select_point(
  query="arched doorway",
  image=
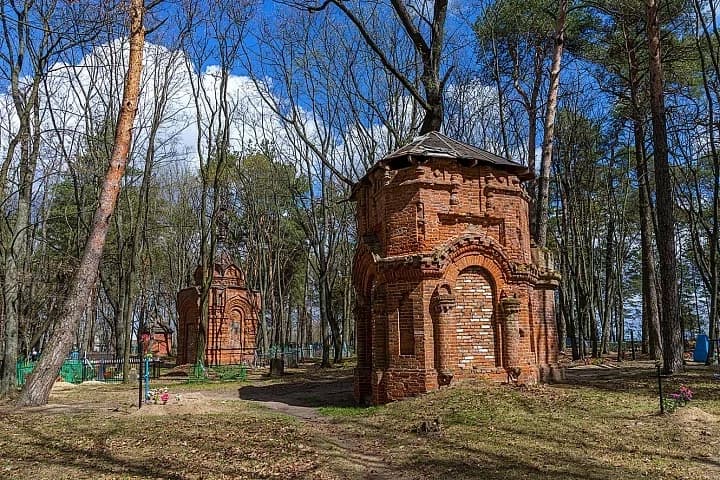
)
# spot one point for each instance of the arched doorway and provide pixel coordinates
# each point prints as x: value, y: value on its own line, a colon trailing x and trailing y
x: 475, y: 320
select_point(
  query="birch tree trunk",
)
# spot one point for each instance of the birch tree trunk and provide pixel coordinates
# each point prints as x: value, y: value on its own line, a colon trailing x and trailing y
x: 37, y: 388
x: 543, y: 197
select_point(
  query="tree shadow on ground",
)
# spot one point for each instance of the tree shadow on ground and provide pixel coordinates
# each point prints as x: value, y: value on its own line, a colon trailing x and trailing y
x: 314, y: 390
x: 640, y: 378
x: 619, y: 379
x: 63, y: 452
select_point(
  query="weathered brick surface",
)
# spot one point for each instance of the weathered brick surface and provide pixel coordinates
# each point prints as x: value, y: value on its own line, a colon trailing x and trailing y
x: 474, y: 335
x: 232, y: 324
x: 161, y: 344
x: 442, y: 243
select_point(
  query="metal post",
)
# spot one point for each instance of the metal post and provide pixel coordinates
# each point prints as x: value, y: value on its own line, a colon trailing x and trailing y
x: 140, y: 382
x: 147, y: 375
x: 660, y: 392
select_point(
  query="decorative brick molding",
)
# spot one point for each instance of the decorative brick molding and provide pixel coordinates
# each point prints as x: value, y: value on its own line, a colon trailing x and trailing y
x: 511, y: 331
x: 448, y: 285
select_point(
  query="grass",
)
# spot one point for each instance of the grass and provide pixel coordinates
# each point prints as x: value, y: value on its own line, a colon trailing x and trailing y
x: 348, y: 411
x: 600, y: 424
x: 230, y: 373
x: 233, y: 444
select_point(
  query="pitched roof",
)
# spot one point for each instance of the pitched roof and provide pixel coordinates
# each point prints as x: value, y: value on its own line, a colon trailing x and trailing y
x: 437, y: 145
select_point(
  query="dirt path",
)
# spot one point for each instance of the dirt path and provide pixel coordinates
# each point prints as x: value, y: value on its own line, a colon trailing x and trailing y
x: 349, y: 455
x: 303, y: 413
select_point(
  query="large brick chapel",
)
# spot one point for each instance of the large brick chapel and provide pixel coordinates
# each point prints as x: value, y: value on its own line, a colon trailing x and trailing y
x: 232, y: 316
x: 447, y: 283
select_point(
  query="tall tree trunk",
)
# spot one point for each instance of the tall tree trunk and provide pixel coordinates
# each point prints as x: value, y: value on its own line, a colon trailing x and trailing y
x: 543, y: 200
x: 37, y: 388
x: 137, y: 242
x: 620, y: 326
x: 650, y: 310
x: 651, y: 341
x: 15, y: 265
x: 609, y: 281
x: 671, y: 334
x: 501, y: 100
x: 127, y: 324
x: 25, y: 102
x: 347, y: 314
x: 90, y: 320
x: 305, y: 326
x: 335, y: 328
x: 210, y: 237
x: 708, y: 46
x: 324, y: 321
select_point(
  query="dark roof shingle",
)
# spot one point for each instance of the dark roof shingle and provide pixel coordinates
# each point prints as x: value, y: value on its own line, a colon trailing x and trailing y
x: 435, y: 144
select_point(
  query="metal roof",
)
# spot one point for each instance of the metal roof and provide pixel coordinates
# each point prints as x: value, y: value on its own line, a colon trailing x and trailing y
x: 435, y: 144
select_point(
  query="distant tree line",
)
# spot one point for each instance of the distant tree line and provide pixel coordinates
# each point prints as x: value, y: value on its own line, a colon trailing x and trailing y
x: 257, y: 124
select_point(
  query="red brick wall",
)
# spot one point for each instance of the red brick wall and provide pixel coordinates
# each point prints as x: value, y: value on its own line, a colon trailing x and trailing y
x: 188, y: 316
x: 546, y: 338
x: 161, y: 345
x: 415, y: 209
x: 233, y: 328
x: 473, y: 312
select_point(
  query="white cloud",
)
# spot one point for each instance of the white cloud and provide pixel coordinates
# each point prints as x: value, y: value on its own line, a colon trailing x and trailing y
x: 77, y: 98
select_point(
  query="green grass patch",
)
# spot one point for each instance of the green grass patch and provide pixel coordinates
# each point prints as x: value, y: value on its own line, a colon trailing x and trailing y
x: 228, y: 373
x: 348, y: 411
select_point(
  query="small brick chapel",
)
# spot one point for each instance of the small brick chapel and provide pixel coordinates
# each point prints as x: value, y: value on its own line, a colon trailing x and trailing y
x: 232, y: 321
x: 447, y: 283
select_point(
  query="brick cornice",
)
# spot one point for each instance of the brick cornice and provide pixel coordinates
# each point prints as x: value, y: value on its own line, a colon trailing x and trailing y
x: 417, y: 266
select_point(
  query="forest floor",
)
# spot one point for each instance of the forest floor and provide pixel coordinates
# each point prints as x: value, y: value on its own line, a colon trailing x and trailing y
x: 601, y: 423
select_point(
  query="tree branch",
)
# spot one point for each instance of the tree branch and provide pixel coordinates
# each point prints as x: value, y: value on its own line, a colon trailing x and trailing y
x: 412, y: 31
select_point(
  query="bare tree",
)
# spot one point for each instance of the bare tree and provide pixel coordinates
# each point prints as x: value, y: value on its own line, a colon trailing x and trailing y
x: 159, y: 82
x: 424, y: 24
x: 23, y: 49
x: 212, y: 32
x: 37, y: 388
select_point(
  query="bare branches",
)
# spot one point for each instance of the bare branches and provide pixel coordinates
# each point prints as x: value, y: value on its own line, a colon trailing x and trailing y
x: 410, y: 28
x: 37, y: 390
x: 429, y: 51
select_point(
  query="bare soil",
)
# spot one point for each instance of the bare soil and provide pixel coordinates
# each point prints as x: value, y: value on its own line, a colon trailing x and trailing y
x: 601, y: 423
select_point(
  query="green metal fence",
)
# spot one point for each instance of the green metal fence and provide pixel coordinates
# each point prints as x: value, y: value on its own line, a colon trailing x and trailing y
x: 23, y: 370
x: 72, y: 371
x: 79, y: 370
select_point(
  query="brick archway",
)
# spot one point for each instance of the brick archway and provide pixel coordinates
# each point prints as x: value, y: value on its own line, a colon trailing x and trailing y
x: 474, y: 250
x: 475, y: 321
